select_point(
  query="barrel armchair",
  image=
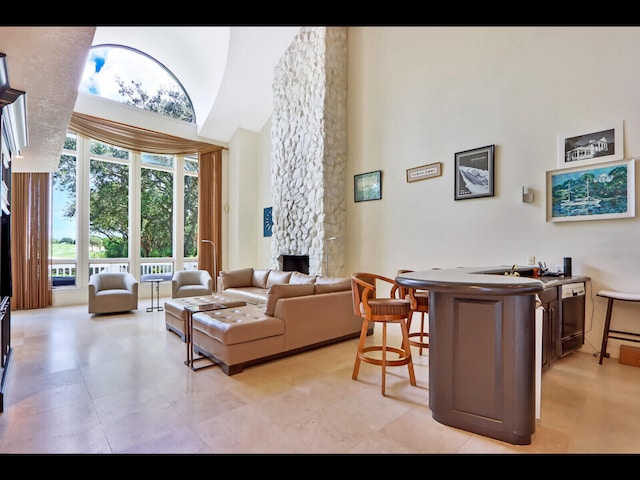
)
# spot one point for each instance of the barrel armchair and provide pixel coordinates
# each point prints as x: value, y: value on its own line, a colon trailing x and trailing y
x: 191, y: 283
x: 112, y: 292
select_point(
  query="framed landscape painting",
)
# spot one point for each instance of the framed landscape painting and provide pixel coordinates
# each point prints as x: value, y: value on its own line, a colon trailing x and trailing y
x: 367, y: 186
x: 598, y: 192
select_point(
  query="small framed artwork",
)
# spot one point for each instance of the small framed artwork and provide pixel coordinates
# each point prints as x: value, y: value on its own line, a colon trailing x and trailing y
x: 425, y: 171
x: 267, y: 222
x: 367, y: 186
x: 595, y: 145
x: 474, y: 175
x: 596, y: 192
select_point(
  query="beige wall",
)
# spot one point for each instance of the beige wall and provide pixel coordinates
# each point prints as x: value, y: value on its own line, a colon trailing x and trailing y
x: 418, y: 95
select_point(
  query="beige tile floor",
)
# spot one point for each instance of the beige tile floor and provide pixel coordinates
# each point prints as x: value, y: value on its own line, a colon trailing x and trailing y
x: 117, y: 384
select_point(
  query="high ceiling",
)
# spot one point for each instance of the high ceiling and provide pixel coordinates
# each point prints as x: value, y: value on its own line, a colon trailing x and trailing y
x: 227, y: 72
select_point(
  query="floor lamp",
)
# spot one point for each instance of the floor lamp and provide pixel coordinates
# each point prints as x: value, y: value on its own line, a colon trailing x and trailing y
x: 215, y: 266
x: 330, y: 239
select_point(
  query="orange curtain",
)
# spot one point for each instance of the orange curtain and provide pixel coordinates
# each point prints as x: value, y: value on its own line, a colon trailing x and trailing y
x: 30, y: 230
x: 209, y: 211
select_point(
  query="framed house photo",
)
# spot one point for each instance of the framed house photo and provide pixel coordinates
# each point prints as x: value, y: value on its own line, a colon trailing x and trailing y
x: 595, y: 145
x: 474, y: 174
x: 367, y: 186
x: 596, y: 192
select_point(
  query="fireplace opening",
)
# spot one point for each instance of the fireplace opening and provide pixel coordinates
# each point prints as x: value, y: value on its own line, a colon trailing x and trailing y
x: 295, y: 263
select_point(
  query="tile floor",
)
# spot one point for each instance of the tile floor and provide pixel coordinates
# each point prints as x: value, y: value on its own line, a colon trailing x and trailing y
x: 117, y: 384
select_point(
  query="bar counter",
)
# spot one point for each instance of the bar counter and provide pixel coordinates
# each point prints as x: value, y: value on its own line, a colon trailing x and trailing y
x: 481, y: 349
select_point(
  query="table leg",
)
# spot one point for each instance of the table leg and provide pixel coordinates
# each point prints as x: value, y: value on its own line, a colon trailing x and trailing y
x: 155, y: 304
x: 150, y: 309
x: 187, y: 338
x: 159, y: 308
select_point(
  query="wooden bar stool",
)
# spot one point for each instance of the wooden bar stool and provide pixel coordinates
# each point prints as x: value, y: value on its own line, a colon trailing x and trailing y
x: 384, y: 310
x: 606, y: 334
x: 419, y: 304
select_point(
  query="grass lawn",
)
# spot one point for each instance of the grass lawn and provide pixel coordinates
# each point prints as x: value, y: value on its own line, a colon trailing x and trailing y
x: 63, y: 250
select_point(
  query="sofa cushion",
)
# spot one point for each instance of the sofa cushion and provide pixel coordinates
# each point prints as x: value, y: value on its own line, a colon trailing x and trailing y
x: 285, y: 291
x: 277, y: 277
x: 298, y: 278
x: 252, y: 295
x: 259, y: 278
x: 236, y: 278
x: 332, y: 284
x: 232, y: 326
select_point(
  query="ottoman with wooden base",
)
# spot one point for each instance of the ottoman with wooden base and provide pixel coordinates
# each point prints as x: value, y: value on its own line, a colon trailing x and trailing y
x: 175, y: 315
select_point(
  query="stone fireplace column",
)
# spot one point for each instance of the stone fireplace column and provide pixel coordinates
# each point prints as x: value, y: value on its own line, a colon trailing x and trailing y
x: 309, y: 150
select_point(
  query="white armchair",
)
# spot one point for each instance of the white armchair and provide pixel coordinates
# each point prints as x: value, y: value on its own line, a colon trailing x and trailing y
x: 191, y: 283
x: 111, y: 292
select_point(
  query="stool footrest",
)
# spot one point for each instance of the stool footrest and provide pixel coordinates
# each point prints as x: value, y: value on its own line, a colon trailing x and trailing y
x: 403, y: 357
x: 624, y: 338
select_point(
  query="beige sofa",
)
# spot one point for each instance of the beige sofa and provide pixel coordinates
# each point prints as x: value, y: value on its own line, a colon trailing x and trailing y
x: 286, y: 313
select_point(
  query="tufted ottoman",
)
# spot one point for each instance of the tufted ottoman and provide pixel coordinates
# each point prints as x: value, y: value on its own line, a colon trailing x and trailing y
x: 237, y: 337
x: 175, y: 315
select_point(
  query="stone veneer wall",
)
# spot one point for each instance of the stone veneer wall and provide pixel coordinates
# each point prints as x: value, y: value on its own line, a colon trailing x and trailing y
x: 309, y: 150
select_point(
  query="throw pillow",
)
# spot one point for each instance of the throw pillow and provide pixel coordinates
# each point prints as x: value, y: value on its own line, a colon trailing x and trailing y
x: 277, y: 277
x: 332, y: 284
x: 285, y: 291
x: 236, y: 278
x: 298, y: 278
x: 259, y: 279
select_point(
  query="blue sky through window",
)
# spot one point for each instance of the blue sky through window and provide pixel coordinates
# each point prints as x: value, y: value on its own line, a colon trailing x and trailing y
x: 106, y: 63
x: 61, y: 227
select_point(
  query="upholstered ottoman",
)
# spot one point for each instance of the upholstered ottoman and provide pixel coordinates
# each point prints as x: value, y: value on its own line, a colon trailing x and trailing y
x: 175, y: 315
x: 237, y: 337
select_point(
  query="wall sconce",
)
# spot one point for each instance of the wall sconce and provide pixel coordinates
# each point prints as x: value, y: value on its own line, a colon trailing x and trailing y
x: 527, y: 195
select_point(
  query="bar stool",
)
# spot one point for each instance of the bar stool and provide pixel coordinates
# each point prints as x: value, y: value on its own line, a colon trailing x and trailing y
x: 384, y: 310
x: 606, y: 334
x: 419, y: 304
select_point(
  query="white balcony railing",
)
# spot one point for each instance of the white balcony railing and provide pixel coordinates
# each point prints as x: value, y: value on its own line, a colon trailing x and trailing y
x: 63, y: 274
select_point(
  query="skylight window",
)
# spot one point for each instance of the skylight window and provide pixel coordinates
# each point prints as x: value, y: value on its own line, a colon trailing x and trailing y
x: 128, y: 76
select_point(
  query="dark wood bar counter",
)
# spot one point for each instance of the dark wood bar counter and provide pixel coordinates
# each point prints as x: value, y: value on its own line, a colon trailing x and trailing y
x: 481, y: 349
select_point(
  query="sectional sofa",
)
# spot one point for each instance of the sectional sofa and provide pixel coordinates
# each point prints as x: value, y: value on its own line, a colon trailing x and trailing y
x: 284, y: 313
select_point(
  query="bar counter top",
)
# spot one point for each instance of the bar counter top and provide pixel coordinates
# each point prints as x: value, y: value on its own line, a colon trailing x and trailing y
x: 483, y: 280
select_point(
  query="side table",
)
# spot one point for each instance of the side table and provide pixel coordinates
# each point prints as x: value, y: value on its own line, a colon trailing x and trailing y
x: 154, y: 281
x: 188, y: 334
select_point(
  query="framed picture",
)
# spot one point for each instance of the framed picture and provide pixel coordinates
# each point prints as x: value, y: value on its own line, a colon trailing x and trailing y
x: 596, y: 145
x: 367, y: 186
x: 267, y: 222
x: 474, y: 173
x: 425, y: 171
x: 597, y: 192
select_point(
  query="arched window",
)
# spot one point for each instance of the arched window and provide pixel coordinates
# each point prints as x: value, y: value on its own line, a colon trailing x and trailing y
x: 129, y: 76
